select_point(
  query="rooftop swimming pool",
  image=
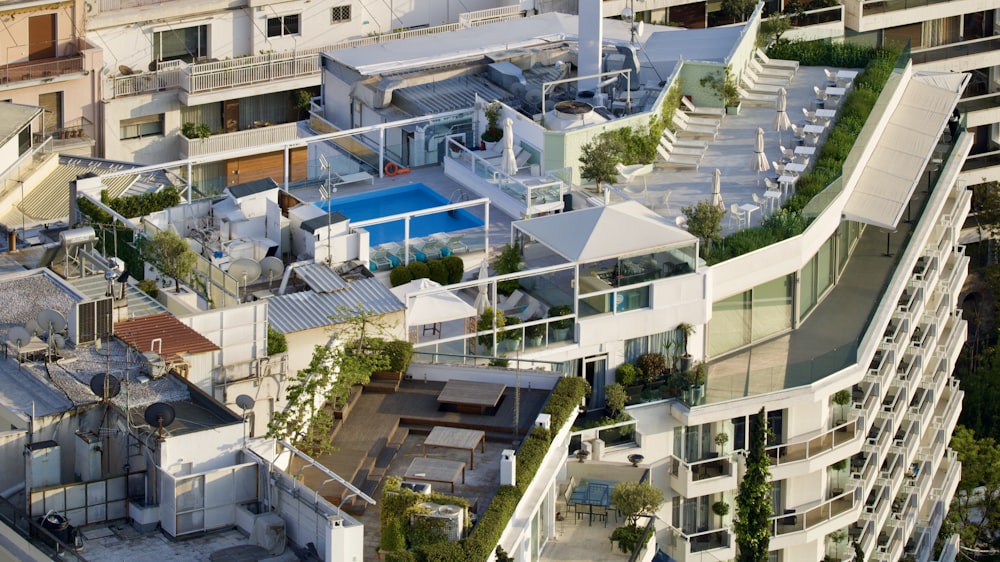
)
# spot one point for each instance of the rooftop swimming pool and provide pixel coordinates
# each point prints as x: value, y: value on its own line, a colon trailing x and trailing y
x: 398, y: 200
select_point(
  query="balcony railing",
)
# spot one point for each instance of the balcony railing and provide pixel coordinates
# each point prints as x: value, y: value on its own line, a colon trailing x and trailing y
x: 872, y: 7
x: 167, y: 76
x: 702, y: 477
x: 818, y: 17
x: 952, y: 50
x: 246, y: 71
x: 241, y: 139
x: 793, y: 522
x: 827, y: 441
x: 680, y: 545
x: 39, y: 70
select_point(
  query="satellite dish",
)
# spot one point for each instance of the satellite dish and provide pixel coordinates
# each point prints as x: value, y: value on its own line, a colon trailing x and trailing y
x: 245, y: 402
x: 33, y: 327
x: 158, y: 415
x: 18, y: 336
x: 105, y: 385
x: 271, y: 267
x: 639, y: 27
x: 245, y: 269
x: 51, y: 321
x: 155, y: 366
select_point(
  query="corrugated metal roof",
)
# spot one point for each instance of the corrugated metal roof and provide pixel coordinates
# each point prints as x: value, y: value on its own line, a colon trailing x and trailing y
x: 306, y: 310
x: 447, y: 95
x: 49, y: 200
x: 320, y: 278
x: 175, y: 336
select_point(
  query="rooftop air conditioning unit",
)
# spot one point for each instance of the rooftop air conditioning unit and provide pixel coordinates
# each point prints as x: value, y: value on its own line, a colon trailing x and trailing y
x: 453, y: 515
x: 91, y: 320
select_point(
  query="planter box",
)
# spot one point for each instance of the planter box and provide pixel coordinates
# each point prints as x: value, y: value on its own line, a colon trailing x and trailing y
x: 733, y: 110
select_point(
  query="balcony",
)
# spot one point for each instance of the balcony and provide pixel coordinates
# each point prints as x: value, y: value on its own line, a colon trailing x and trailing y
x: 981, y: 110
x: 795, y: 527
x: 824, y: 449
x: 957, y: 57
x: 249, y: 138
x: 71, y: 59
x: 716, y: 545
x: 702, y: 478
x: 949, y: 407
x: 198, y: 81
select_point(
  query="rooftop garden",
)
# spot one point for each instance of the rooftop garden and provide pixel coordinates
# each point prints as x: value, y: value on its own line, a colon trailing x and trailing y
x: 428, y: 544
x: 878, y: 64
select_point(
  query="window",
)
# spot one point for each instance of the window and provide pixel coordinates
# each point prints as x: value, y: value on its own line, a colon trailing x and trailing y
x: 185, y: 44
x: 283, y: 25
x: 139, y: 127
x: 24, y: 140
x: 340, y: 14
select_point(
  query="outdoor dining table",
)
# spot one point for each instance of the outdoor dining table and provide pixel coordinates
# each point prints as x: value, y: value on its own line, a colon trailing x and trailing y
x: 787, y: 183
x: 471, y: 396
x: 831, y: 91
x: 457, y: 438
x: 436, y: 470
x: 772, y: 195
x: 846, y: 76
x: 826, y: 113
x: 593, y: 494
x: 749, y: 208
x: 795, y: 167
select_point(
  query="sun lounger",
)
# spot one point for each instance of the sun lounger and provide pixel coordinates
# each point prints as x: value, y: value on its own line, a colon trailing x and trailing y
x: 759, y: 99
x: 681, y: 150
x: 688, y: 119
x: 752, y: 77
x: 692, y: 109
x: 352, y: 178
x: 753, y: 88
x: 670, y: 137
x: 776, y: 63
x: 454, y: 244
x: 668, y: 160
x: 771, y: 72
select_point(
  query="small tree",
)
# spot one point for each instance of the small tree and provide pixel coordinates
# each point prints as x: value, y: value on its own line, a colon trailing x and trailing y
x: 842, y: 398
x: 721, y: 439
x: 508, y: 261
x: 598, y: 159
x: 493, y: 131
x: 634, y: 499
x: 171, y: 255
x: 774, y: 27
x: 705, y: 222
x: 753, y: 502
x: 276, y: 342
x: 615, y: 398
x: 738, y: 10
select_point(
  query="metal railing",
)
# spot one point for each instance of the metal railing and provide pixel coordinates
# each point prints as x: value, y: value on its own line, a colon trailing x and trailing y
x: 792, y: 522
x: 21, y: 72
x: 825, y: 442
x: 952, y: 50
x: 40, y: 537
x: 244, y: 71
x: 248, y: 138
x: 715, y: 467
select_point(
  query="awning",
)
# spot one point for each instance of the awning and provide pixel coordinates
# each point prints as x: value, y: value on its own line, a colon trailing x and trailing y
x: 904, y: 148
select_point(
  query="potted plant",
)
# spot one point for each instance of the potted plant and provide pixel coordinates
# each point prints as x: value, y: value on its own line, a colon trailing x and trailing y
x: 696, y: 379
x: 512, y: 337
x: 841, y: 398
x: 626, y: 374
x: 493, y: 132
x: 509, y: 261
x: 485, y: 322
x: 560, y: 328
x: 651, y: 366
x: 724, y: 85
x: 838, y: 468
x: 535, y: 333
x: 838, y: 538
x: 720, y: 441
x: 720, y: 508
x: 686, y: 331
x: 614, y: 399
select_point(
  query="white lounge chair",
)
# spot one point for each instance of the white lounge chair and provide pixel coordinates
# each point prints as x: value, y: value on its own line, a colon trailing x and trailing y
x: 697, y: 131
x: 767, y: 61
x: 692, y: 109
x: 770, y: 72
x: 750, y: 76
x: 628, y: 173
x: 758, y: 99
x: 688, y: 119
x: 671, y: 138
x: 681, y: 150
x: 755, y: 88
x: 668, y: 160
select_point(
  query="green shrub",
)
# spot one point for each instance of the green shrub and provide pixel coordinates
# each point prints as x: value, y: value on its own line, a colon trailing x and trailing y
x: 400, y: 275
x: 398, y: 556
x: 150, y: 287
x: 561, y: 310
x: 565, y: 398
x: 530, y: 456
x: 419, y: 270
x: 441, y: 552
x: 626, y: 373
x: 400, y: 353
x: 480, y: 543
x: 509, y: 261
x: 276, y: 342
x: 438, y: 272
x: 651, y: 365
x: 455, y: 267
x: 392, y: 537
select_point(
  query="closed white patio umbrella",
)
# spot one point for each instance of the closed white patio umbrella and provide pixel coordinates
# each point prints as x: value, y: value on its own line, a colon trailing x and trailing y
x: 759, y: 163
x: 781, y: 122
x: 483, y: 297
x: 509, y: 160
x: 717, y: 189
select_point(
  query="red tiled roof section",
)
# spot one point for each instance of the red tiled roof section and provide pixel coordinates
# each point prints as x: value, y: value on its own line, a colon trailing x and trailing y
x: 176, y: 337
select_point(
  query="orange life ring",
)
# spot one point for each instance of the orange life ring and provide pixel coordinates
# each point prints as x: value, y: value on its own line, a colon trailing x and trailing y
x: 391, y: 168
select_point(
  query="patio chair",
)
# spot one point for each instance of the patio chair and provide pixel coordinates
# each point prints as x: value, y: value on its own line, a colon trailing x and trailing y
x: 779, y: 169
x: 809, y: 115
x: 831, y: 77
x: 628, y: 173
x: 771, y: 185
x: 662, y: 204
x: 820, y: 96
x: 760, y: 202
x: 736, y: 213
x: 787, y: 154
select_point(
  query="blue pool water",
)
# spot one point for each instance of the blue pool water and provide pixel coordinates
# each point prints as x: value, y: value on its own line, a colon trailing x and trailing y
x: 396, y: 200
